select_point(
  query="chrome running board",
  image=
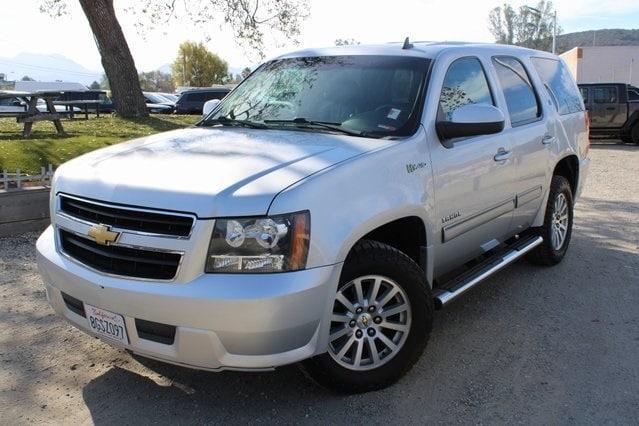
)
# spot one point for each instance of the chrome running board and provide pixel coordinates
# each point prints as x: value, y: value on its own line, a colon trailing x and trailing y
x: 471, y: 278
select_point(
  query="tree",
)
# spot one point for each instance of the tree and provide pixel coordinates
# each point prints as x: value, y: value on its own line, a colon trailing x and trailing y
x: 197, y: 67
x: 245, y: 72
x: 246, y: 18
x: 95, y: 86
x: 528, y: 27
x: 156, y: 81
x: 345, y: 42
x: 27, y: 78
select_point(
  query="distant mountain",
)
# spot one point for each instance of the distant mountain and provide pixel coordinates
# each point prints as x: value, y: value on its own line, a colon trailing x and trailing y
x: 607, y: 37
x: 47, y: 68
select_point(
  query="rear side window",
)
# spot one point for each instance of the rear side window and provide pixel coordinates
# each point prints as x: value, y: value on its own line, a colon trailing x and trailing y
x: 604, y: 95
x: 559, y: 82
x: 521, y: 99
x: 465, y: 83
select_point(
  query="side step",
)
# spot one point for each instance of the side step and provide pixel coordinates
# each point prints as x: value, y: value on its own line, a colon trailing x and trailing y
x: 474, y: 276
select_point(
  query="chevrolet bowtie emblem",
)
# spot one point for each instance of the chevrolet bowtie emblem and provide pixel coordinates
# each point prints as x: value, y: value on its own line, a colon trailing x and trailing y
x: 103, y: 235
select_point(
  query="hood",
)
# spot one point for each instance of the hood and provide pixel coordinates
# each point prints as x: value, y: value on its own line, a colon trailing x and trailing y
x: 211, y: 172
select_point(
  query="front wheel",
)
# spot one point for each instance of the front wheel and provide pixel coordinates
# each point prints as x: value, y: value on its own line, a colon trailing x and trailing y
x: 557, y: 227
x: 381, y: 320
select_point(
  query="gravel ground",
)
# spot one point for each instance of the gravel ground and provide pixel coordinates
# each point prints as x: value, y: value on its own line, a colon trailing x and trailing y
x: 531, y: 345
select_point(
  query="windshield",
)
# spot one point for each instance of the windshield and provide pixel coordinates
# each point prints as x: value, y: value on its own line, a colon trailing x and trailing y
x: 154, y: 98
x: 367, y: 95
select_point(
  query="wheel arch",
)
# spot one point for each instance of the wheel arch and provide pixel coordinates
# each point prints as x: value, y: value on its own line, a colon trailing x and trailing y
x: 568, y: 167
x: 408, y: 234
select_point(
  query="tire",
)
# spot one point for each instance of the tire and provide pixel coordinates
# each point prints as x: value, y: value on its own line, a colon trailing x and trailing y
x: 552, y: 250
x: 370, y: 263
x: 634, y: 134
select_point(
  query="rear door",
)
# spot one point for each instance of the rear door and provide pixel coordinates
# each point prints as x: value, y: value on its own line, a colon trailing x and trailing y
x: 607, y: 109
x: 473, y: 176
x: 529, y: 132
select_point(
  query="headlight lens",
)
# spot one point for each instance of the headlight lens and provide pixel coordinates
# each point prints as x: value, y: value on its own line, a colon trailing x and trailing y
x: 259, y: 244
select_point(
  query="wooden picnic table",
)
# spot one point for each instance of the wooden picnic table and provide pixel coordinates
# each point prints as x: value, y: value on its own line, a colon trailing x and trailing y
x: 32, y: 114
x: 82, y: 104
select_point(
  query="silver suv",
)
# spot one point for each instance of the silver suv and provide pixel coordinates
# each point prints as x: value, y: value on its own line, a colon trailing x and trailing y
x: 322, y: 210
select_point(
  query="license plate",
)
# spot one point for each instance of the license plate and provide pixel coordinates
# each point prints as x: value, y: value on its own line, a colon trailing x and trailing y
x: 106, y: 324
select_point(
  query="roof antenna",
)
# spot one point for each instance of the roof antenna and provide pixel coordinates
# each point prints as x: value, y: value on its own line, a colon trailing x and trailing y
x: 407, y: 44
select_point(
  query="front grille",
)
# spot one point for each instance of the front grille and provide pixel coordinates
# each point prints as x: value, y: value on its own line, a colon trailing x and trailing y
x: 120, y: 260
x: 135, y: 220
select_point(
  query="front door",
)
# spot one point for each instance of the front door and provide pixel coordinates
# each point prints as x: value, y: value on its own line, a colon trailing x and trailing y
x: 473, y: 177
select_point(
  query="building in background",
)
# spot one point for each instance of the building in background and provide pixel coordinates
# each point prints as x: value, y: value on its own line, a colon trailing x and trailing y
x: 64, y: 86
x: 604, y: 64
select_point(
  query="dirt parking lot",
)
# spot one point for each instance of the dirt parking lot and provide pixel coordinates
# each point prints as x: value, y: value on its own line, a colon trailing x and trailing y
x: 531, y: 345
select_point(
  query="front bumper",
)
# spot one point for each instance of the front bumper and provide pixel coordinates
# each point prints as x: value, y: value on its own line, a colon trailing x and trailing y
x: 223, y: 321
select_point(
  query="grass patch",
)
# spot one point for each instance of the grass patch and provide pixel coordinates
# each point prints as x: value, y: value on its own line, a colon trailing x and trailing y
x: 46, y: 147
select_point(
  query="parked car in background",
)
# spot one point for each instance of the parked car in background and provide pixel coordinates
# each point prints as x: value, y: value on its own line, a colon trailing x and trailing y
x: 170, y: 96
x: 322, y: 218
x: 613, y: 109
x: 105, y: 103
x: 158, y: 104
x: 192, y: 101
x: 12, y: 104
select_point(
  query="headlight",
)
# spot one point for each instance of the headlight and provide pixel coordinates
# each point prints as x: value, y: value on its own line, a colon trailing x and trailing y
x: 259, y: 244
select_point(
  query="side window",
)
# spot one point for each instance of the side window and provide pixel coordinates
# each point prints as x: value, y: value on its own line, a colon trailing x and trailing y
x: 465, y: 83
x: 604, y: 95
x: 559, y: 81
x: 633, y: 95
x: 521, y: 99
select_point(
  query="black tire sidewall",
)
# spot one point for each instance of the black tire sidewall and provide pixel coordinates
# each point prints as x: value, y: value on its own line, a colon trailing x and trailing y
x: 559, y: 186
x: 378, y: 259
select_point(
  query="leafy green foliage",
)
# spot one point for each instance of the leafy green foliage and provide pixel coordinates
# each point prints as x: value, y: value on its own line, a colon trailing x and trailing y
x: 527, y: 26
x: 156, y: 81
x: 46, y: 147
x: 196, y: 66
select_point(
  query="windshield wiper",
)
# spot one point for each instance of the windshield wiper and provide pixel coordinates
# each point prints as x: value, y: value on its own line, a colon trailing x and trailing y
x: 303, y: 122
x: 228, y: 121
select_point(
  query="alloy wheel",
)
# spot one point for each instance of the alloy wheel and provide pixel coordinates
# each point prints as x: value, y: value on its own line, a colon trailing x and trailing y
x: 559, y: 225
x: 370, y: 322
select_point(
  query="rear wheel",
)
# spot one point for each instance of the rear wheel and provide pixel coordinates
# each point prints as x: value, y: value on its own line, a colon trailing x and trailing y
x: 557, y: 227
x: 381, y: 320
x: 634, y: 134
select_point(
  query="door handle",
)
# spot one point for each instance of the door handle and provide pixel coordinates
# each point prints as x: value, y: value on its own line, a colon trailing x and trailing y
x: 502, y: 155
x: 548, y: 139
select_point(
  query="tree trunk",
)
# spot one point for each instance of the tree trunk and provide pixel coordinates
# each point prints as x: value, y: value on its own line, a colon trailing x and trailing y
x: 116, y: 58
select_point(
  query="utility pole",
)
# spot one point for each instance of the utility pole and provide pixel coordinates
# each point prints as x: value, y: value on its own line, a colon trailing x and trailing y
x: 632, y: 61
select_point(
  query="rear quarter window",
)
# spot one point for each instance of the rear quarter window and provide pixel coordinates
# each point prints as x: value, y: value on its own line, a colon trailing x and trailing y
x: 560, y: 84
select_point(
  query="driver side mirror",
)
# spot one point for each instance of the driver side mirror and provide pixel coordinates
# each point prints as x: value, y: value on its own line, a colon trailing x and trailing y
x: 209, y: 106
x: 471, y: 120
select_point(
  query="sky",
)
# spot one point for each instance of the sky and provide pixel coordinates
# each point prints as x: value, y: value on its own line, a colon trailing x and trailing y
x: 23, y: 28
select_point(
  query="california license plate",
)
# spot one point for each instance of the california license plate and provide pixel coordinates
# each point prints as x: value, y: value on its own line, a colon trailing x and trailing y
x: 106, y: 324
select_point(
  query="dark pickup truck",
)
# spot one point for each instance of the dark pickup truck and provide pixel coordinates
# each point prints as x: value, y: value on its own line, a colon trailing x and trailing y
x: 613, y: 109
